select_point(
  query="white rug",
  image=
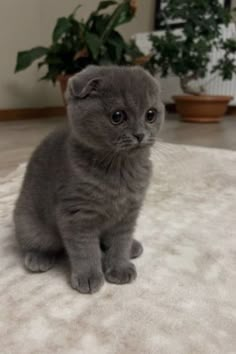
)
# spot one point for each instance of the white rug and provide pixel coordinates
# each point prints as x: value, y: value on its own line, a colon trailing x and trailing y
x: 184, y: 299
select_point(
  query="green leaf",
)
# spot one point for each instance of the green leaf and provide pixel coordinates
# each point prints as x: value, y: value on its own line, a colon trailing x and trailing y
x: 41, y: 63
x: 117, y: 45
x: 95, y: 16
x: 105, y: 59
x: 93, y: 43
x: 27, y: 57
x: 122, y: 14
x: 126, y: 13
x: 229, y: 45
x: 104, y: 4
x: 75, y: 10
x: 99, y: 23
x: 62, y: 26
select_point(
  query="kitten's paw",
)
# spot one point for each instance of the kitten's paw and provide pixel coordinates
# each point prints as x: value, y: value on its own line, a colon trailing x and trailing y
x: 87, y: 283
x: 38, y: 261
x: 121, y: 274
x: 136, y: 249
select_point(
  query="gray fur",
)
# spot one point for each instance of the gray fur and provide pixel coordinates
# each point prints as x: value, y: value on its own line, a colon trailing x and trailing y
x: 85, y: 183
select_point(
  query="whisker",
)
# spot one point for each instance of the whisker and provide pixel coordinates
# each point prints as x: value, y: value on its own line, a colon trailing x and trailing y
x: 165, y: 153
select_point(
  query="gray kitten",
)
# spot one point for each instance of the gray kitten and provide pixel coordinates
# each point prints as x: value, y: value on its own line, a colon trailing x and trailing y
x: 85, y: 184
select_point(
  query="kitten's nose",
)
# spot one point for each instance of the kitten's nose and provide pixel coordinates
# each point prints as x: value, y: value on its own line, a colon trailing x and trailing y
x: 139, y: 137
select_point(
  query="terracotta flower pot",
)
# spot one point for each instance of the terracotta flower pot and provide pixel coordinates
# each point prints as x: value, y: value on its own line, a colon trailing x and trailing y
x: 203, y: 108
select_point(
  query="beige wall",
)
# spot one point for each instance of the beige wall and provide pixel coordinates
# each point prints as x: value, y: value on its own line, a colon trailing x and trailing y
x: 27, y: 23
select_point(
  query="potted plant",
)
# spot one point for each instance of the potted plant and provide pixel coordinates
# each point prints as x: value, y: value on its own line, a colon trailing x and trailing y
x: 78, y: 43
x: 187, y: 54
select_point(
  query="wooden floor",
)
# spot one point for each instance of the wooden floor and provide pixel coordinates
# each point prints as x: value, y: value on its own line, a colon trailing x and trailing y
x: 19, y: 138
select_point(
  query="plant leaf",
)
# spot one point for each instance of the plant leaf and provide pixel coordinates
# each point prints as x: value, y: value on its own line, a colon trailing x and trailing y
x: 95, y: 16
x: 126, y: 12
x: 104, y: 4
x: 122, y: 14
x: 93, y: 43
x: 27, y: 57
x: 63, y: 25
x: 75, y: 10
x: 41, y: 63
x: 117, y: 44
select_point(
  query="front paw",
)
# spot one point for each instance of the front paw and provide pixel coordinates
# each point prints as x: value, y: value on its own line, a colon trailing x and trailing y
x: 136, y: 249
x: 121, y: 274
x: 87, y: 283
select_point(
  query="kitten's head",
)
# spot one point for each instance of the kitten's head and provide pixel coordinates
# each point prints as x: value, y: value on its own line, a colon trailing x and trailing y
x: 116, y: 108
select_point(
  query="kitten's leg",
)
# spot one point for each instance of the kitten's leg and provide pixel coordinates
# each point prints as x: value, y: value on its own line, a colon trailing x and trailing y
x: 135, y: 252
x: 116, y: 262
x: 39, y: 245
x: 81, y: 240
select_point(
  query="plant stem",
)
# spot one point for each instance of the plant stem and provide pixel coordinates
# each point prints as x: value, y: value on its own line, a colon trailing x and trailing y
x: 187, y: 88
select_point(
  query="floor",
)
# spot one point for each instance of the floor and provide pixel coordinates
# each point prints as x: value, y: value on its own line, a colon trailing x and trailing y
x: 19, y: 138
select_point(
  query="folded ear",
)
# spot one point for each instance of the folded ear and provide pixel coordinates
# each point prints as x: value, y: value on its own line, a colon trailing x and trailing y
x: 82, y: 87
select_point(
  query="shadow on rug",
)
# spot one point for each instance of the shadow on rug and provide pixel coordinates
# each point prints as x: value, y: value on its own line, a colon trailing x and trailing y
x: 184, y: 299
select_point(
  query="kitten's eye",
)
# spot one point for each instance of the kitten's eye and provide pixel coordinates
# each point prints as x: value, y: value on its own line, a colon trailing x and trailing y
x: 151, y: 115
x: 118, y: 117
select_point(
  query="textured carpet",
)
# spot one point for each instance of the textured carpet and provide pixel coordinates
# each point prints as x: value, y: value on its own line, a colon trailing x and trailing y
x: 184, y: 299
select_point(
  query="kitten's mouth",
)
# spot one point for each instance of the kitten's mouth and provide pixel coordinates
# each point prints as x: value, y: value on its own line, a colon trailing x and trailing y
x: 134, y: 146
